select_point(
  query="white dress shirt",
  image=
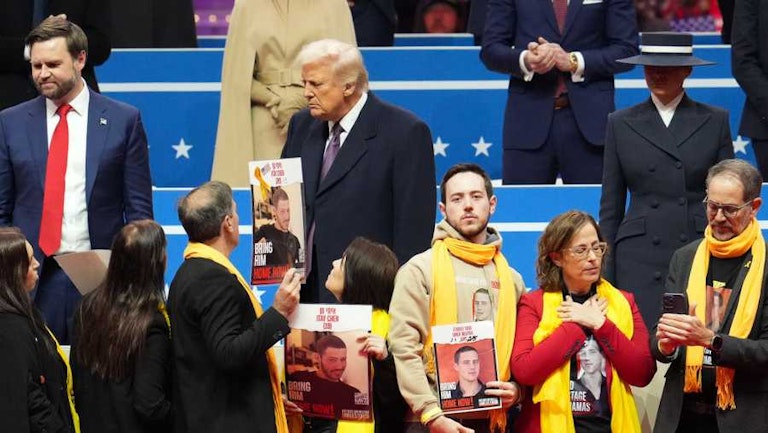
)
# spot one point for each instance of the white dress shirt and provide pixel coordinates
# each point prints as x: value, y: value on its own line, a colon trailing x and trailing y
x: 348, y: 121
x: 74, y: 224
x: 667, y: 112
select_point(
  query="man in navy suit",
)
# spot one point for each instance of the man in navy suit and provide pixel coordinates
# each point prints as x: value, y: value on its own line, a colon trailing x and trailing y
x: 561, y: 55
x: 380, y: 184
x: 73, y: 165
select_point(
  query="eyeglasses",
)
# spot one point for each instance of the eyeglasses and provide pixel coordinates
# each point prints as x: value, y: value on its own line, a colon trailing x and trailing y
x: 581, y: 252
x: 729, y: 210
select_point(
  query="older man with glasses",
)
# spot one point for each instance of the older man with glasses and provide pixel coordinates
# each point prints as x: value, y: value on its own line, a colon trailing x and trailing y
x: 716, y: 380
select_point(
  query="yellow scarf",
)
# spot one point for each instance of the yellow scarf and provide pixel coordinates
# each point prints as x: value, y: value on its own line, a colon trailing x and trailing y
x: 749, y: 298
x: 554, y: 395
x: 70, y: 390
x: 380, y: 327
x: 444, y: 296
x: 202, y: 251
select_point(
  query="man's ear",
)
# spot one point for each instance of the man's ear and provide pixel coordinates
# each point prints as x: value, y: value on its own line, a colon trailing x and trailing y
x: 349, y: 89
x: 441, y: 206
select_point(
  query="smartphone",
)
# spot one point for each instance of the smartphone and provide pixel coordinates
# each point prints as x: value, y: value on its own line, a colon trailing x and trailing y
x: 675, y: 303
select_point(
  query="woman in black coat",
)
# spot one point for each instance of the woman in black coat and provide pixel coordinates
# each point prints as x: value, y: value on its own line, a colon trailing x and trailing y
x: 34, y: 383
x: 121, y: 348
x: 657, y: 154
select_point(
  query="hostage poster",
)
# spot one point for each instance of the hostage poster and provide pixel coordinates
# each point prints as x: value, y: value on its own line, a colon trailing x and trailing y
x: 327, y: 374
x: 466, y: 361
x: 278, y: 219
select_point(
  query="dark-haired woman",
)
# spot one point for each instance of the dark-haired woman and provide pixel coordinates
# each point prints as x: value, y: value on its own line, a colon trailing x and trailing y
x: 35, y: 379
x: 121, y: 350
x: 365, y: 275
x: 571, y: 329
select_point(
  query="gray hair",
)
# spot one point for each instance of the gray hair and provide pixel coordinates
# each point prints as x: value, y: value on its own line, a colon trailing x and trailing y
x: 202, y: 211
x: 749, y: 177
x: 345, y: 59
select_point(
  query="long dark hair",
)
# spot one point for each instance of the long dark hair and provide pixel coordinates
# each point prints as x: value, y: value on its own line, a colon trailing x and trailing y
x: 14, y: 265
x: 369, y: 274
x: 115, y: 317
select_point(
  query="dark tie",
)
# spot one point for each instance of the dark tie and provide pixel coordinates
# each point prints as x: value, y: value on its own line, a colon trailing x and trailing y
x: 39, y: 8
x: 53, y: 195
x: 561, y: 10
x: 328, y: 157
x: 332, y: 150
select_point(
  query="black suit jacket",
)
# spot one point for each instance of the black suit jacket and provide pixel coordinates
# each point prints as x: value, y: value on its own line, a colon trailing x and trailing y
x: 375, y: 22
x: 381, y: 185
x: 33, y: 380
x: 16, y: 22
x: 140, y: 403
x: 749, y: 61
x: 221, y: 378
x: 749, y: 357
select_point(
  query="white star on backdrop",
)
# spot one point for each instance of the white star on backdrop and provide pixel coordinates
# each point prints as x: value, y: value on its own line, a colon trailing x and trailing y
x: 438, y: 147
x: 182, y: 150
x: 481, y: 147
x: 740, y: 145
x: 258, y: 292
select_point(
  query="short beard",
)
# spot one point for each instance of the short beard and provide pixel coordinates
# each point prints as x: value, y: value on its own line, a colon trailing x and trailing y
x: 61, y: 91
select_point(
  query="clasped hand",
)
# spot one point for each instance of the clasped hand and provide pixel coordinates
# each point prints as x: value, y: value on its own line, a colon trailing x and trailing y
x: 590, y: 314
x: 542, y: 56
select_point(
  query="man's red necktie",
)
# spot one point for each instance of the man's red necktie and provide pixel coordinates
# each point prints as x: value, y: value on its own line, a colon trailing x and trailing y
x: 53, y: 197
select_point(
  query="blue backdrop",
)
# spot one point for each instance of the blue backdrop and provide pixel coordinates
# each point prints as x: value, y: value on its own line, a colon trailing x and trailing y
x: 177, y: 92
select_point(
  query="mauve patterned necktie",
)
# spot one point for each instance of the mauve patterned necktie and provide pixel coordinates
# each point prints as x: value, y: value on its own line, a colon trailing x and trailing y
x: 332, y: 150
x: 328, y: 157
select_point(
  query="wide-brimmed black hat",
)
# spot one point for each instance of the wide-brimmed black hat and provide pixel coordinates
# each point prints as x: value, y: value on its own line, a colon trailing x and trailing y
x: 666, y: 49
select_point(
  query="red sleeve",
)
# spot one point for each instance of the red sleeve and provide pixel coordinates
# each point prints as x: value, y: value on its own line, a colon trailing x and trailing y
x: 631, y: 358
x: 532, y: 364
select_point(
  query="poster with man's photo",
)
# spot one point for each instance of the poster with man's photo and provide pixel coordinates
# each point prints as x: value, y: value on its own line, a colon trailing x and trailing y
x: 588, y: 384
x: 466, y: 361
x: 327, y: 372
x: 278, y: 219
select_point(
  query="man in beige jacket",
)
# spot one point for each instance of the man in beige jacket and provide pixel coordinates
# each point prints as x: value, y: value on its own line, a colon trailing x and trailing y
x: 437, y: 287
x: 261, y: 87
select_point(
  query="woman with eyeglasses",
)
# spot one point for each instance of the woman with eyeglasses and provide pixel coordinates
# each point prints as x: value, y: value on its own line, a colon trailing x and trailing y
x: 35, y: 379
x: 578, y: 322
x: 121, y: 347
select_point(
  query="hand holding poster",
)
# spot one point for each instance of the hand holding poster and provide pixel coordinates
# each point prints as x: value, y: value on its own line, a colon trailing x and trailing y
x: 278, y: 219
x: 327, y: 372
x: 466, y: 361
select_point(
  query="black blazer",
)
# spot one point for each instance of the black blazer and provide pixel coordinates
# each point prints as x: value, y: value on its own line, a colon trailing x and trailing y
x: 381, y: 185
x: 749, y: 64
x: 221, y: 380
x: 16, y: 22
x: 33, y: 380
x: 749, y: 357
x: 660, y: 172
x: 137, y: 404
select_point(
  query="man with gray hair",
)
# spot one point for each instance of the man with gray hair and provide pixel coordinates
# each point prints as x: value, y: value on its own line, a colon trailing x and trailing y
x: 368, y: 166
x: 715, y: 364
x: 225, y: 375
